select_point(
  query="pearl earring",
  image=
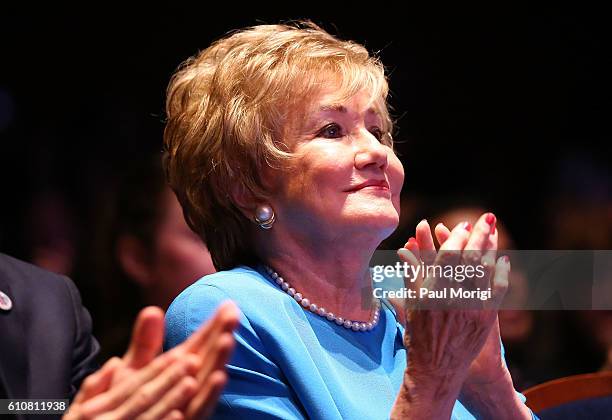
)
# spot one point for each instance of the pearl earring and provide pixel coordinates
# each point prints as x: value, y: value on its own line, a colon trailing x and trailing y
x: 264, y: 216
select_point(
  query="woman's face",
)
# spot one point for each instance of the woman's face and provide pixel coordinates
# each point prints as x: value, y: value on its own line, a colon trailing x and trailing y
x: 343, y: 178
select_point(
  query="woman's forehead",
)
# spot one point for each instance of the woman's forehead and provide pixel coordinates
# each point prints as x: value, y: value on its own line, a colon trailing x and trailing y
x: 361, y: 104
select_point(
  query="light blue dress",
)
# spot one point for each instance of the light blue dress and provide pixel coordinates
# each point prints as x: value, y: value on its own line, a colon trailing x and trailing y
x: 290, y: 363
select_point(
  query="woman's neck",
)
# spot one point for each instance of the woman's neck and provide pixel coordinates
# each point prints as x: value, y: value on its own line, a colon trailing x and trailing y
x: 331, y: 275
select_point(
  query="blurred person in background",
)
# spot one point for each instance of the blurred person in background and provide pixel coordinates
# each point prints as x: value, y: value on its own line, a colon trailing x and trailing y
x: 532, y: 338
x: 580, y: 218
x: 598, y: 340
x: 143, y: 253
x: 51, y: 232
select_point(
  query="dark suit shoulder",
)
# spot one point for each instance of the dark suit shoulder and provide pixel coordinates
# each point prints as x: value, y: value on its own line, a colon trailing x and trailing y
x: 41, y: 294
x: 48, y: 330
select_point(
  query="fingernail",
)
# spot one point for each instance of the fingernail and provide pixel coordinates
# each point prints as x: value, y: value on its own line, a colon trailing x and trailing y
x: 491, y: 221
x: 423, y: 220
x: 506, y: 259
x: 411, y: 242
x: 403, y: 252
x: 467, y: 226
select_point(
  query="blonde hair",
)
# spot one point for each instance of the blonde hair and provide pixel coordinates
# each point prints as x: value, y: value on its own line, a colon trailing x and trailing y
x: 227, y: 108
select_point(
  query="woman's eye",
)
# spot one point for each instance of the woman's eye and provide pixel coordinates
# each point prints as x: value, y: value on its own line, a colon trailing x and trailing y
x: 330, y: 131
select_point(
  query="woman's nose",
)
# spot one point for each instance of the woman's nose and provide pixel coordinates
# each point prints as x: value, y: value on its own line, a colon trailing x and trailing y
x: 370, y: 151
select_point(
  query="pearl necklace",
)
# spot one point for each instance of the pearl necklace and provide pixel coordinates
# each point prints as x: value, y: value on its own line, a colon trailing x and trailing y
x: 351, y: 325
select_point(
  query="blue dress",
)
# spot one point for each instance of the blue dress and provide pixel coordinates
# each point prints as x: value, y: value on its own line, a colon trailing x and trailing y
x: 290, y: 363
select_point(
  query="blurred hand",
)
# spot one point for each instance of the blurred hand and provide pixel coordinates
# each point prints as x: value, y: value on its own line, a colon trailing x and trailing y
x: 183, y: 383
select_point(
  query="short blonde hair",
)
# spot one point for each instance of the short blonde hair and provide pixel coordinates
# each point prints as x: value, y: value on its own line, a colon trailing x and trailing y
x: 227, y: 108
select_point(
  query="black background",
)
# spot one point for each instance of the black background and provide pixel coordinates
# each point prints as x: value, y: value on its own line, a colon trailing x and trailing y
x: 511, y: 110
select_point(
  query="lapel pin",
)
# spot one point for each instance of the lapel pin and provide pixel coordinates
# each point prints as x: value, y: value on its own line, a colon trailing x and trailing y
x: 5, y: 302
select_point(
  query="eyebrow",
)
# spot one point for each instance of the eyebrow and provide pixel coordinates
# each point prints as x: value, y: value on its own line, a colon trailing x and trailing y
x: 336, y: 108
x: 342, y: 109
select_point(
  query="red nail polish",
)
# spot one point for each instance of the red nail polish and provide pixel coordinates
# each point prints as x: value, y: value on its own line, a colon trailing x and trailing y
x: 411, y: 242
x: 506, y: 259
x: 467, y: 226
x: 491, y: 220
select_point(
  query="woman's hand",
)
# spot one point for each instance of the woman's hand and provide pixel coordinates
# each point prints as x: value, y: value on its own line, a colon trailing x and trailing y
x: 444, y: 337
x: 183, y: 383
x: 489, y: 365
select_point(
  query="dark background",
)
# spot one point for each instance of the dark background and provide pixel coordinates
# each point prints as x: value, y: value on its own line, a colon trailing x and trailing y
x: 508, y: 112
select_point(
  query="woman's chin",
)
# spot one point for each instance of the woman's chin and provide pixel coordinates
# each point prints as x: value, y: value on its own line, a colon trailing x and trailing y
x: 380, y: 222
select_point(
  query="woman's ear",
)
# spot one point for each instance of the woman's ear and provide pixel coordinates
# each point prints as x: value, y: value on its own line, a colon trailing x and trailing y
x: 134, y: 259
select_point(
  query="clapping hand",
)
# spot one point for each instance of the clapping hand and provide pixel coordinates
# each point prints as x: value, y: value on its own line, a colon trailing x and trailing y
x: 450, y: 343
x: 183, y: 383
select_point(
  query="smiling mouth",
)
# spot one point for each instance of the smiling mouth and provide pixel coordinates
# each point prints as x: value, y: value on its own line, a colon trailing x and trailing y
x: 373, y: 185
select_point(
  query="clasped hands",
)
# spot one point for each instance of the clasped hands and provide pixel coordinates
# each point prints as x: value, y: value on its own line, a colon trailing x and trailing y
x: 454, y: 349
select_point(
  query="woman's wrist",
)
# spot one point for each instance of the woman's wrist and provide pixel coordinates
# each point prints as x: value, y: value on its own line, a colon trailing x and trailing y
x: 427, y: 396
x: 494, y: 399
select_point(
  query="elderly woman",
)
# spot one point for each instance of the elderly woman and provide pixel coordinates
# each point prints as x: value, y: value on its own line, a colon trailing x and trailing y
x: 279, y: 148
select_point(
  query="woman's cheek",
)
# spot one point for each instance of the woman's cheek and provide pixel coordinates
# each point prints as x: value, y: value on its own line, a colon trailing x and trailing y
x: 396, y: 175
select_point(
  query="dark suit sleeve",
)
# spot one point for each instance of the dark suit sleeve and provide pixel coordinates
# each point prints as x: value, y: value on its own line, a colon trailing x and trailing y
x: 86, y: 347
